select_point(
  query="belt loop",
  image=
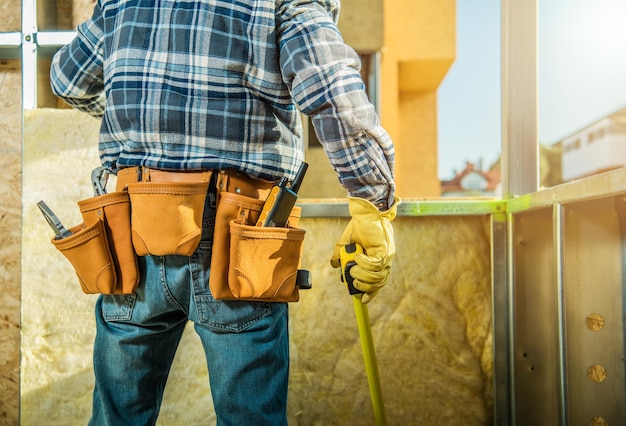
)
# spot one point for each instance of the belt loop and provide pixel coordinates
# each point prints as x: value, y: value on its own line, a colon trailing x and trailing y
x: 222, y: 181
x: 212, y: 190
x: 221, y: 184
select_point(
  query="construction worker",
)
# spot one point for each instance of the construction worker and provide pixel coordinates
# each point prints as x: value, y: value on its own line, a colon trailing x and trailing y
x: 191, y: 86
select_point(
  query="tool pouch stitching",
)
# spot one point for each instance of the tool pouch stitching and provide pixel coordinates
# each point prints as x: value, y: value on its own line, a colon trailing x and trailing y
x: 167, y: 217
x: 264, y: 262
x: 100, y: 248
x: 88, y: 252
x: 253, y: 263
x: 114, y: 211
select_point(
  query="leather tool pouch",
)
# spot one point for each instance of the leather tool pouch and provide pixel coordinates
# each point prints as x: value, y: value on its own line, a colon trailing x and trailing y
x: 167, y: 217
x: 253, y: 263
x: 100, y: 249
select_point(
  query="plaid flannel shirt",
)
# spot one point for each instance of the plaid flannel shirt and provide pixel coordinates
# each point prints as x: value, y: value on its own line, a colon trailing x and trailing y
x: 212, y: 84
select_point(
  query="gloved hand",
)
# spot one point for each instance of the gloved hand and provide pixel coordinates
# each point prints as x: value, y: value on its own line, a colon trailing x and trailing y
x: 371, y: 229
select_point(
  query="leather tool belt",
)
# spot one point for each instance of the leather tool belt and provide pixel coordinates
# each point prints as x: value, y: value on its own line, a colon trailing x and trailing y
x: 163, y: 216
x: 247, y: 262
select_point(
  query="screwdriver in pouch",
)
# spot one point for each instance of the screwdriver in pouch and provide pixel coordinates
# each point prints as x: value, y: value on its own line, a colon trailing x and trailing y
x: 347, y: 255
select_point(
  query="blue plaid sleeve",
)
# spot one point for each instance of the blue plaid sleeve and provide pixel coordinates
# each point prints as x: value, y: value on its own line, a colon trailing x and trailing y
x: 76, y: 70
x: 323, y: 75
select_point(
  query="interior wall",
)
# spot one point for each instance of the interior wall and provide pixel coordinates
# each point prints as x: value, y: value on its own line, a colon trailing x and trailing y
x: 10, y: 15
x: 10, y: 220
x: 10, y: 236
x: 431, y: 324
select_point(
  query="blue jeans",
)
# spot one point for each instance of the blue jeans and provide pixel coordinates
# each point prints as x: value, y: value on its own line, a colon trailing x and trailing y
x: 246, y: 344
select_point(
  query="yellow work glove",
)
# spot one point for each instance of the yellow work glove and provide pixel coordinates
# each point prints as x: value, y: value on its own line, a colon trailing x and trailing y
x: 372, y: 230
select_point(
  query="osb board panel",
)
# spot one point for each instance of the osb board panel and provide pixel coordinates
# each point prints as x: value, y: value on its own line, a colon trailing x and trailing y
x: 82, y: 10
x: 10, y: 15
x: 10, y: 286
x: 70, y: 13
x: 64, y: 10
x: 64, y: 15
x: 10, y: 106
x: 431, y: 324
x: 10, y: 221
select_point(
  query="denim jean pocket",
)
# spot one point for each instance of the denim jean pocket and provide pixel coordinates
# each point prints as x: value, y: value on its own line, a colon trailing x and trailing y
x: 118, y: 307
x: 229, y: 316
